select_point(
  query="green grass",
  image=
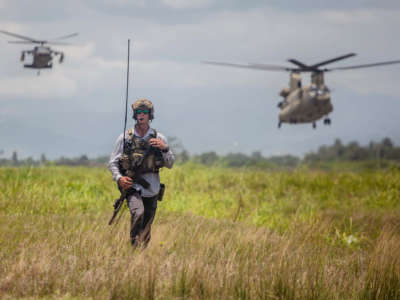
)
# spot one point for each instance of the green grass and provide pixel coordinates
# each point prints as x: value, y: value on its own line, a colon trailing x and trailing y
x: 219, y: 234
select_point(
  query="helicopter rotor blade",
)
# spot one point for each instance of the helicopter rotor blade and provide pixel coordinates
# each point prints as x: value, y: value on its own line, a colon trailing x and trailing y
x: 365, y: 65
x: 20, y: 42
x: 262, y: 67
x: 20, y: 36
x: 298, y: 63
x: 64, y: 37
x: 332, y: 60
x: 59, y: 43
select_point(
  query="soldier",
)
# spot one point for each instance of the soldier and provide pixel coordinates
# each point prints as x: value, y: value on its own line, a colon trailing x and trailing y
x: 135, y: 165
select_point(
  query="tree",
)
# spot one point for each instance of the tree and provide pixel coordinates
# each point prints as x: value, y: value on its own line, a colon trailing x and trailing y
x: 14, y: 158
x: 208, y: 158
x: 339, y: 148
x: 387, y: 143
x: 43, y: 159
x: 183, y: 156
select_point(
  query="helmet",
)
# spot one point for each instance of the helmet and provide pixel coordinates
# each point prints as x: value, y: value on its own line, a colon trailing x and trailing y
x: 143, y: 103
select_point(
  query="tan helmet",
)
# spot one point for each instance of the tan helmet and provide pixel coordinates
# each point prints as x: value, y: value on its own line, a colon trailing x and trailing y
x: 143, y: 103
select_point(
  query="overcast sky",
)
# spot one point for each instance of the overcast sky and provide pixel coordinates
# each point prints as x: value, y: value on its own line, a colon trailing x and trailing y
x: 78, y: 107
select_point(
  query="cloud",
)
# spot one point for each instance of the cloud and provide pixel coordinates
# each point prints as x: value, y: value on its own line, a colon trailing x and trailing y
x: 47, y: 86
x: 171, y: 37
x: 185, y: 4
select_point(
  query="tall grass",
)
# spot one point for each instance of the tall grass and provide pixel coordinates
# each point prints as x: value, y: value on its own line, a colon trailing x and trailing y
x: 218, y: 234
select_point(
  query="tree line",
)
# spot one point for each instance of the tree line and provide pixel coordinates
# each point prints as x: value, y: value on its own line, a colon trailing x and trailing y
x: 384, y: 150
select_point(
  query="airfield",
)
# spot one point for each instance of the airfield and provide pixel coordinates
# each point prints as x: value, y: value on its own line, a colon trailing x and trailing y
x: 219, y: 234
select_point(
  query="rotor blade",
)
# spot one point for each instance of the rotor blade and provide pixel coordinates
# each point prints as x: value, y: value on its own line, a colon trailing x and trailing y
x: 64, y: 36
x: 366, y: 65
x: 20, y: 42
x: 333, y: 60
x: 20, y: 36
x: 58, y: 43
x: 298, y: 63
x: 250, y: 66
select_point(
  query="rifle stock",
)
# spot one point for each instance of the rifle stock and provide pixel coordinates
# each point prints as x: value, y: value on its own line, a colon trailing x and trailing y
x: 118, y: 203
x: 117, y: 206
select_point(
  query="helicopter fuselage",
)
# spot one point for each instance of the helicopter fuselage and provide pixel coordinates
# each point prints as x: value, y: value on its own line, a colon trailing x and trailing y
x: 42, y: 58
x: 306, y: 104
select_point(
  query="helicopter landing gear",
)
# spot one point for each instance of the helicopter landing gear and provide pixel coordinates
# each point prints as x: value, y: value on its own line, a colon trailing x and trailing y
x: 279, y: 125
x: 327, y: 121
x: 314, y: 125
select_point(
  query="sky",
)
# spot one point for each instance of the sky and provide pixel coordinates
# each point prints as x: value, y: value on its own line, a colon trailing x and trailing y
x: 78, y: 107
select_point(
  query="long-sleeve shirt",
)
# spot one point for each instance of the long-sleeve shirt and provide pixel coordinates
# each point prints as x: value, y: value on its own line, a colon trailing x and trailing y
x: 152, y: 178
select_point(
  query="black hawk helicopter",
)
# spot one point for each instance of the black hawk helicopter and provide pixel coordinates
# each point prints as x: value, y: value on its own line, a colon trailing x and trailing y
x: 305, y: 104
x: 42, y: 55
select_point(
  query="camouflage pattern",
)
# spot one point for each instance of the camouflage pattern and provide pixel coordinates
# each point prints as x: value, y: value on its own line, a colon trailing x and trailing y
x: 140, y: 157
x: 143, y: 104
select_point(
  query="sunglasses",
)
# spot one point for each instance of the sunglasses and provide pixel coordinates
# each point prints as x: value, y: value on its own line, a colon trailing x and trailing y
x: 139, y: 111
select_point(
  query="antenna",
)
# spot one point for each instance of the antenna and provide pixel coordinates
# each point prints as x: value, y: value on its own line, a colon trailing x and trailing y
x: 127, y: 91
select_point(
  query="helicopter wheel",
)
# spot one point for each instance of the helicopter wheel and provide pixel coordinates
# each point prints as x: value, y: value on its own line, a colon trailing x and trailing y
x: 279, y: 125
x: 327, y: 121
x: 314, y: 125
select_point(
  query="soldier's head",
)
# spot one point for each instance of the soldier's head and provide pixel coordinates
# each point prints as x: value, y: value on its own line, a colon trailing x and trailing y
x: 143, y: 110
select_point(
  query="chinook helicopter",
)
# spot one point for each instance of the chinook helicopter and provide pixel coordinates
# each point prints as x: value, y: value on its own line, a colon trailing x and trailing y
x: 309, y: 103
x: 42, y: 55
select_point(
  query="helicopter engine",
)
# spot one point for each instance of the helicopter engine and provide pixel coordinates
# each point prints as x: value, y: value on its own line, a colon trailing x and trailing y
x: 284, y: 92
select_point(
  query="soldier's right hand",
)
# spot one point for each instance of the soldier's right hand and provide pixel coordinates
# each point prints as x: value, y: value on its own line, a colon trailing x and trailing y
x: 125, y: 182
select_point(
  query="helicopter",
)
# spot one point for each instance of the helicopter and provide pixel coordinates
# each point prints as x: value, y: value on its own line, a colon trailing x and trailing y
x: 305, y: 104
x: 42, y: 55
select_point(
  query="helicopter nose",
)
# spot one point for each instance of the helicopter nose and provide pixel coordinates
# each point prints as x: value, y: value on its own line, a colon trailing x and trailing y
x: 325, y: 96
x: 320, y: 94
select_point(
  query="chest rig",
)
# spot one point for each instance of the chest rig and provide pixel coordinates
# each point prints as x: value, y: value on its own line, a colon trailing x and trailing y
x: 139, y: 157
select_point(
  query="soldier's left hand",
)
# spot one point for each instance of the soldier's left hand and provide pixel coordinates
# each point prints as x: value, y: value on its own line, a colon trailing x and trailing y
x: 157, y: 143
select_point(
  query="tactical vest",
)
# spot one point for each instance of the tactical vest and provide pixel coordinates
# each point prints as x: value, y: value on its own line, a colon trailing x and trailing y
x: 139, y: 157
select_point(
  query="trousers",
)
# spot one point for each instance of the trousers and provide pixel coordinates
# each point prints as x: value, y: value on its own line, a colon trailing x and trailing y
x: 143, y: 211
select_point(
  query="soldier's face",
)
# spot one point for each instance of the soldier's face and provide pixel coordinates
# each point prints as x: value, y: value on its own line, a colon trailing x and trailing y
x: 142, y: 116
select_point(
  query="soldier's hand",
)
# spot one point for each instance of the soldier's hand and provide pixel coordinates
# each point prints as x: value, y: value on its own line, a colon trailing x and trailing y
x: 157, y: 143
x: 125, y: 182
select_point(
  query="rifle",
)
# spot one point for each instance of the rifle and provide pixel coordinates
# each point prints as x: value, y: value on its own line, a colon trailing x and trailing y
x: 118, y: 202
x: 117, y: 206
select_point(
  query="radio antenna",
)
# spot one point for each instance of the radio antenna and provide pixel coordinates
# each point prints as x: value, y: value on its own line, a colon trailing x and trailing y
x: 127, y: 91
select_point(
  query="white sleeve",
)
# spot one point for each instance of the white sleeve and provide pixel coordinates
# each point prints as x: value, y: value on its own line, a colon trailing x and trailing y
x: 114, y: 158
x: 169, y: 157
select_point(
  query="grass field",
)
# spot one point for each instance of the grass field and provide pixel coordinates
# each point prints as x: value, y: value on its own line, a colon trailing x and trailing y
x: 218, y: 234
